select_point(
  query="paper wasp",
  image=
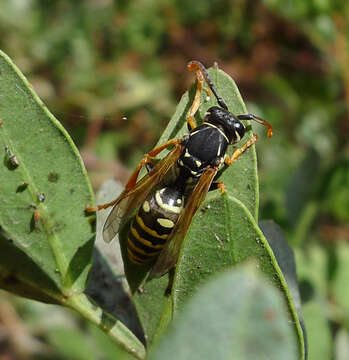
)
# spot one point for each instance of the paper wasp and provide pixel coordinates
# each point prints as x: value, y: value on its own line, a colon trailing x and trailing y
x: 165, y: 207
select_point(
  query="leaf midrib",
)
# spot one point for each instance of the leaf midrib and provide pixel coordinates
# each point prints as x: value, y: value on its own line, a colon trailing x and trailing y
x: 53, y: 240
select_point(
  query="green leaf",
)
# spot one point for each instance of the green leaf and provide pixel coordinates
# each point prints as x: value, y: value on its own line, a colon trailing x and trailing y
x: 223, y: 233
x: 60, y: 243
x: 313, y: 271
x: 319, y: 333
x: 215, y: 246
x: 237, y: 315
x: 286, y: 260
x: 107, y: 349
x: 85, y: 343
x: 46, y: 239
x: 71, y: 344
x: 340, y: 281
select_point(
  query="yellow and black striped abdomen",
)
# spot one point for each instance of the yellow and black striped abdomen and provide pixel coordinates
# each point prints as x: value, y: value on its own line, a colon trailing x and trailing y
x: 153, y: 224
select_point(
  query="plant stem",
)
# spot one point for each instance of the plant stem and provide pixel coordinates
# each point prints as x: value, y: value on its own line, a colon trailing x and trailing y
x: 113, y: 327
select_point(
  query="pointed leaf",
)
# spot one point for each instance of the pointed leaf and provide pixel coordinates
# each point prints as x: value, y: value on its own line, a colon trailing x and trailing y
x: 49, y: 179
x: 46, y: 239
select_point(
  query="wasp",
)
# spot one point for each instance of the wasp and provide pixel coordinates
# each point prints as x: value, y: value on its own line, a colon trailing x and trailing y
x: 165, y: 207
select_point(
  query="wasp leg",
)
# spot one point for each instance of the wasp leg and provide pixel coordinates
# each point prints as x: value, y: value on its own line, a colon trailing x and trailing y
x: 198, y: 67
x: 196, y: 103
x: 238, y: 152
x: 133, y: 178
x: 218, y: 185
x: 259, y: 120
x: 171, y: 275
x: 147, y: 159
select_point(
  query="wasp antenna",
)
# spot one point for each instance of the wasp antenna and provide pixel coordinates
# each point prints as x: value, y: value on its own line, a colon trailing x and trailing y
x: 266, y: 124
x: 197, y: 66
x: 259, y: 120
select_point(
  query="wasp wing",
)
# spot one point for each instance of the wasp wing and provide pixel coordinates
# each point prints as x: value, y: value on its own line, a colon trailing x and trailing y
x: 131, y: 199
x: 169, y: 255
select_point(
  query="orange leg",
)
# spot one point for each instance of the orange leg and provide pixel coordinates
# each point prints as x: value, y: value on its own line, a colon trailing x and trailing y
x: 238, y: 152
x: 199, y: 68
x: 146, y: 160
x: 133, y: 178
x: 218, y: 185
x: 221, y: 186
x: 196, y: 103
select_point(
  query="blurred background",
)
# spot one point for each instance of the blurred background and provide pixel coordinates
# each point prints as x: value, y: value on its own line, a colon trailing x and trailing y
x: 113, y: 71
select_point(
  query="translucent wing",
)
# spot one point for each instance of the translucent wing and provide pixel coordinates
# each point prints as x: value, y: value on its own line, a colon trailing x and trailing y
x: 169, y: 255
x: 129, y: 200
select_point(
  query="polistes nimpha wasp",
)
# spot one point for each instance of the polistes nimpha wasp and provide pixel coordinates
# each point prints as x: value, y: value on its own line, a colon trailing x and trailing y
x: 167, y: 206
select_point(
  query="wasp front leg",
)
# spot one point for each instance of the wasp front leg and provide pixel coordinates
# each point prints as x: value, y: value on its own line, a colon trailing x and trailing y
x: 196, y: 103
x: 259, y: 120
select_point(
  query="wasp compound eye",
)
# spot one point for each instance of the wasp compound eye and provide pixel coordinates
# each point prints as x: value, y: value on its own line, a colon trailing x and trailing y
x: 239, y: 130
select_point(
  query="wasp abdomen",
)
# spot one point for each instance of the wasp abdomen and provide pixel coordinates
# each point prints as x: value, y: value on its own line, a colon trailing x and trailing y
x: 153, y: 224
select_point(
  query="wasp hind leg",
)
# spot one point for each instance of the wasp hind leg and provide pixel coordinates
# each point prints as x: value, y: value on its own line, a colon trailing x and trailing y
x: 218, y: 185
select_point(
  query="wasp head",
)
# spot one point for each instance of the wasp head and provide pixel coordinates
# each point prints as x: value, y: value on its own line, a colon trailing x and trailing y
x: 226, y: 121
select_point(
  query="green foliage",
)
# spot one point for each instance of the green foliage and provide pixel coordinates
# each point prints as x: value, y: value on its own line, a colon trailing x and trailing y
x: 48, y: 179
x: 337, y: 192
x: 94, y: 62
x: 213, y: 246
x: 240, y: 316
x: 44, y: 195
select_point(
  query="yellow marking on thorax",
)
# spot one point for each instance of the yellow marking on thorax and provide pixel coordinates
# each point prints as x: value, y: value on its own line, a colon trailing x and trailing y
x: 219, y: 150
x: 148, y: 230
x: 206, y: 123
